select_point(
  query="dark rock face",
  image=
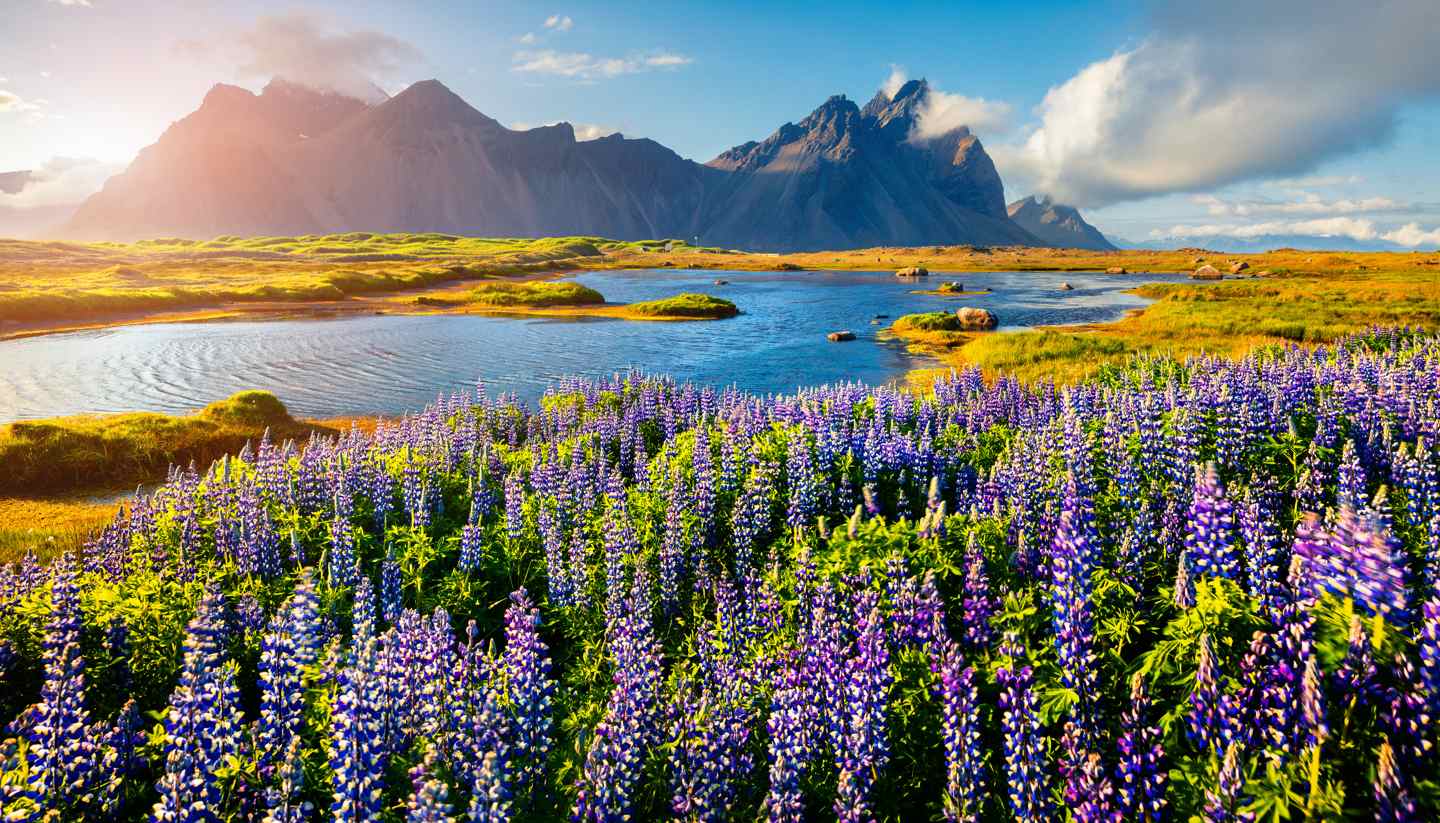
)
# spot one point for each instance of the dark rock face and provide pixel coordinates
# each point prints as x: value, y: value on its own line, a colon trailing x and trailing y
x: 1056, y: 225
x: 293, y: 161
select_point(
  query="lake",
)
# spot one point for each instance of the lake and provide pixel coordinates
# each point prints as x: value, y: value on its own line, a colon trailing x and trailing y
x: 390, y: 364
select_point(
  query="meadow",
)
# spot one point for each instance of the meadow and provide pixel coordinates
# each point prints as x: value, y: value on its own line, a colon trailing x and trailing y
x: 1203, y: 589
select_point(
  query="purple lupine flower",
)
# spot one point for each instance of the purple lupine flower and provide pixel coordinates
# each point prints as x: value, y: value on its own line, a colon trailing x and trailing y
x: 1025, y: 768
x: 1350, y: 483
x: 673, y: 548
x: 804, y: 482
x: 1224, y: 800
x: 430, y: 800
x: 391, y: 597
x: 1094, y: 793
x: 710, y: 757
x: 289, y: 647
x: 1356, y: 675
x: 1263, y: 560
x: 790, y: 748
x: 1074, y: 555
x: 1206, y: 721
x: 357, y: 744
x: 1394, y: 802
x: 979, y: 604
x: 529, y: 690
x: 1141, y: 775
x: 1429, y: 642
x: 61, y: 752
x: 470, y: 539
x: 514, y: 506
x: 617, y: 749
x: 1210, y: 529
x: 202, y: 724
x: 865, y: 749
x: 1357, y: 558
x: 489, y: 797
x: 285, y: 795
x: 965, y: 776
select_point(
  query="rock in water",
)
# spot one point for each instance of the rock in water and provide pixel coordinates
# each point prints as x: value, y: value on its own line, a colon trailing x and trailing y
x: 913, y: 271
x: 1238, y: 266
x: 973, y: 319
x: 1116, y: 270
x: 1207, y: 272
x: 840, y: 336
x: 1066, y: 287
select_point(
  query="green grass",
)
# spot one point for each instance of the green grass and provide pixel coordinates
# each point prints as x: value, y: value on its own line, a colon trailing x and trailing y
x: 72, y: 454
x: 927, y: 322
x: 687, y: 305
x: 537, y: 295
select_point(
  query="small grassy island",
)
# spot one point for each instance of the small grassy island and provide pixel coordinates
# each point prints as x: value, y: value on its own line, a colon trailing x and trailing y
x: 687, y: 306
x: 559, y: 299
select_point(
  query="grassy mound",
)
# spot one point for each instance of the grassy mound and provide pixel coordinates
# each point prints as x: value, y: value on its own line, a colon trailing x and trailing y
x: 537, y: 295
x: 927, y: 322
x: 689, y: 304
x: 97, y: 452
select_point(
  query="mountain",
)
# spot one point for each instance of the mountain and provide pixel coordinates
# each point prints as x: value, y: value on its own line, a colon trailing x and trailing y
x: 847, y: 177
x: 1057, y: 225
x: 12, y: 182
x: 1268, y: 242
x: 292, y: 160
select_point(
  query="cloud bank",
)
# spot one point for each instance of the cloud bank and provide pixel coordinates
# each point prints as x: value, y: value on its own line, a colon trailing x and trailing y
x: 305, y: 49
x: 1204, y: 102
x: 585, y: 66
x: 942, y: 112
x: 1410, y: 235
x: 60, y: 181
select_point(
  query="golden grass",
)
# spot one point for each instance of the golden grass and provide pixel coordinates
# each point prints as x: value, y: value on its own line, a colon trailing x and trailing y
x: 68, y: 455
x: 542, y: 294
x: 50, y: 526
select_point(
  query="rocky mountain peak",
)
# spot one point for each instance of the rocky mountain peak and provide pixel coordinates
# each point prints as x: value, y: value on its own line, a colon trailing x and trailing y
x: 1056, y: 224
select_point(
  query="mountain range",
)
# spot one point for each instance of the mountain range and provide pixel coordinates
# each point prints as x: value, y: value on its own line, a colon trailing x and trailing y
x: 292, y: 160
x: 1056, y: 225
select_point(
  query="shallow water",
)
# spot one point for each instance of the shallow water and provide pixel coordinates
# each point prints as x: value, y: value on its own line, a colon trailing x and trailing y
x: 393, y: 364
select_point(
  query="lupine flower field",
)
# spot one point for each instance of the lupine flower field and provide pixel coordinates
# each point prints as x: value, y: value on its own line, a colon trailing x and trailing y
x: 1205, y: 590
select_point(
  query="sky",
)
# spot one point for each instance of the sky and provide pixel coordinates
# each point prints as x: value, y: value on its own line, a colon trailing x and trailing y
x: 1164, y: 120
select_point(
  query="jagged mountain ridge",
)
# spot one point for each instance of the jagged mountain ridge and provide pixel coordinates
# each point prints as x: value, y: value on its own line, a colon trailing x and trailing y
x: 292, y: 160
x: 1057, y: 225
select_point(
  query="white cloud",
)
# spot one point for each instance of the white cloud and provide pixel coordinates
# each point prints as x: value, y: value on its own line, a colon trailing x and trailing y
x: 1315, y: 182
x: 559, y: 22
x: 527, y: 39
x: 585, y: 66
x: 1202, y: 103
x: 61, y: 181
x: 1412, y: 235
x: 1306, y: 204
x: 308, y: 50
x: 942, y: 112
x: 11, y: 102
x: 896, y: 79
x: 72, y: 3
x: 1351, y: 227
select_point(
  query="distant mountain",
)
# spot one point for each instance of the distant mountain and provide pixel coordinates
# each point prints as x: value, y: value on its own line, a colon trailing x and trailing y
x: 846, y: 177
x: 1057, y: 225
x: 1268, y: 242
x: 292, y: 160
x: 11, y: 182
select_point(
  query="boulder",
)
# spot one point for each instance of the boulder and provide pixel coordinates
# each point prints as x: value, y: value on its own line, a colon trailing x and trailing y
x: 1066, y: 287
x: 973, y: 319
x: 1238, y: 266
x: 667, y: 264
x: 840, y: 336
x: 722, y: 282
x: 882, y: 317
x: 951, y: 286
x: 1206, y: 272
x: 913, y: 271
x: 1116, y: 270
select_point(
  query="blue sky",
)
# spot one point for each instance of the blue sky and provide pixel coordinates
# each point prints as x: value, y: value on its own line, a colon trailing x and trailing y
x: 101, y: 79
